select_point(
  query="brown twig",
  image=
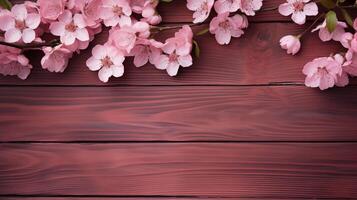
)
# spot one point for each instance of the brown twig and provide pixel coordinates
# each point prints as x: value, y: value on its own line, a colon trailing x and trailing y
x: 51, y: 43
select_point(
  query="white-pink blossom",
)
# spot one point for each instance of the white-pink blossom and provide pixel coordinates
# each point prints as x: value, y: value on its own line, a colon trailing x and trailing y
x: 225, y: 27
x: 19, y: 24
x: 326, y: 35
x: 322, y: 72
x: 108, y: 60
x: 249, y: 7
x: 299, y: 9
x: 146, y: 50
x: 124, y: 38
x: 291, y: 43
x: 56, y: 59
x: 116, y: 12
x: 201, y: 8
x: 69, y: 29
x: 12, y: 62
x: 176, y: 52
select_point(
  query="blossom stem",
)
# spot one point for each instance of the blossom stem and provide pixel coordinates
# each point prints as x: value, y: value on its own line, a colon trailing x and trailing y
x: 162, y: 28
x: 269, y: 9
x: 311, y: 26
x: 51, y: 43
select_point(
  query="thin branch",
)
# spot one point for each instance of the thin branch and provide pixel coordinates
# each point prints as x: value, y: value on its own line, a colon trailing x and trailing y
x: 51, y: 43
x: 312, y: 25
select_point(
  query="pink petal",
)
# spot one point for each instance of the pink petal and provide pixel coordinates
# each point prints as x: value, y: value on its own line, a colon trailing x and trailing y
x: 311, y: 9
x: 82, y: 34
x: 12, y: 35
x: 65, y: 17
x: 286, y: 9
x: 33, y: 20
x: 325, y: 35
x: 68, y: 38
x: 223, y: 37
x: 117, y: 70
x: 172, y: 68
x: 99, y: 52
x: 326, y: 81
x: 79, y: 21
x: 57, y: 28
x: 185, y: 61
x: 6, y: 22
x: 312, y: 81
x: 24, y: 72
x: 162, y: 62
x: 28, y: 35
x: 298, y: 17
x: 19, y: 11
x: 93, y: 64
x: 104, y: 74
x: 141, y: 59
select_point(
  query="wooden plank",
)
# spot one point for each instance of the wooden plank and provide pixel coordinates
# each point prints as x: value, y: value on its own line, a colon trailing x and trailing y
x: 134, y: 198
x: 177, y: 114
x: 198, y: 169
x: 256, y: 58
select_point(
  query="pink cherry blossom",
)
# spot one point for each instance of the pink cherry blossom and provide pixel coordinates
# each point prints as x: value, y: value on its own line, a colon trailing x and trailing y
x: 13, y: 63
x: 225, y: 27
x: 145, y: 51
x: 115, y: 12
x: 124, y: 38
x: 56, y: 59
x: 354, y: 43
x: 322, y: 72
x: 177, y: 52
x: 147, y: 8
x: 355, y: 24
x: 90, y: 9
x: 223, y: 6
x: 290, y: 43
x: 202, y: 9
x: 299, y: 10
x: 69, y: 29
x: 19, y: 24
x: 341, y: 79
x: 351, y: 63
x: 51, y: 9
x: 326, y: 35
x: 250, y: 6
x: 108, y: 60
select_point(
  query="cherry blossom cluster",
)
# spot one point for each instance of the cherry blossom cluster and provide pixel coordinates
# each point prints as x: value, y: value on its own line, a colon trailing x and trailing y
x: 333, y: 70
x: 72, y: 25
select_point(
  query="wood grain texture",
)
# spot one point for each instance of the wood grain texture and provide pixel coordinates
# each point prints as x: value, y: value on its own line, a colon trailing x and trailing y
x: 256, y: 58
x: 230, y: 170
x: 177, y: 114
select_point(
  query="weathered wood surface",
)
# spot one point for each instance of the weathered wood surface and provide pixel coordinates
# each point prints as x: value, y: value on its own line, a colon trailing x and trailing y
x: 219, y: 130
x: 177, y: 114
x: 231, y: 170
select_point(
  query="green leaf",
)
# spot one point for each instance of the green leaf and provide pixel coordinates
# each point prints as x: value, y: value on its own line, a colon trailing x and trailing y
x: 202, y: 32
x: 197, y: 49
x: 347, y: 17
x: 331, y: 21
x: 329, y: 4
x: 5, y: 4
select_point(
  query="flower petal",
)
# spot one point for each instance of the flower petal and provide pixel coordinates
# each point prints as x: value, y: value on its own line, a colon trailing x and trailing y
x: 104, y: 74
x: 93, y: 64
x: 28, y: 35
x: 33, y: 20
x: 12, y: 35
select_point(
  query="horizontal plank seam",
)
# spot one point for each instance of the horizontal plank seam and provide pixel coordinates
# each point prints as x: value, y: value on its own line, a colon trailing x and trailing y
x: 177, y: 142
x: 165, y: 85
x: 142, y: 196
